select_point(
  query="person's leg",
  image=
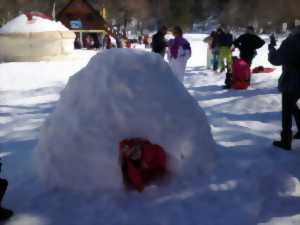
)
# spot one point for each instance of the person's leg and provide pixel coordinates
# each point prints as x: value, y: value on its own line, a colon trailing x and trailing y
x: 209, y: 59
x: 4, y: 213
x: 222, y: 57
x: 3, y: 187
x: 287, y: 111
x: 296, y: 113
x: 215, y: 59
x: 228, y: 60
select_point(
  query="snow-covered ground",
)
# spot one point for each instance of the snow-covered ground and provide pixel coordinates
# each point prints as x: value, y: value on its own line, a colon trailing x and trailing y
x: 253, y: 182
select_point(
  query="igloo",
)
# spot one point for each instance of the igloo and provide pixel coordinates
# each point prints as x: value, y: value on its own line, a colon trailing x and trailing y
x: 121, y: 93
x: 33, y: 37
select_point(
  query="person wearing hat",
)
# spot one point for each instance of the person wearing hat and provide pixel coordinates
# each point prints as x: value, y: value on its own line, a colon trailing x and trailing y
x: 248, y: 43
x: 179, y: 51
x: 159, y: 43
x: 288, y: 55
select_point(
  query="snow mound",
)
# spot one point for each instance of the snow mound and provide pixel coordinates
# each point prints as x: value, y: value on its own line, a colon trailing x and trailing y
x: 21, y: 24
x: 121, y: 93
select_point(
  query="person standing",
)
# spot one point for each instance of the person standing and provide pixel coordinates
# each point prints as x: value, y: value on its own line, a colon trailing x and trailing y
x: 159, y: 42
x: 248, y: 43
x: 288, y: 55
x: 106, y: 41
x: 209, y: 58
x: 215, y: 50
x: 179, y: 51
x: 225, y: 55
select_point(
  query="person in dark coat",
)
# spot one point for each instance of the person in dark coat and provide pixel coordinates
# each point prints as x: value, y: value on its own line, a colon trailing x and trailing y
x: 4, y: 213
x: 248, y: 43
x: 159, y: 42
x: 288, y: 55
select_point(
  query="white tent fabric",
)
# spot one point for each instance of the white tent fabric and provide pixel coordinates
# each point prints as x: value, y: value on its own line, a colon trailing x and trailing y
x: 40, y: 39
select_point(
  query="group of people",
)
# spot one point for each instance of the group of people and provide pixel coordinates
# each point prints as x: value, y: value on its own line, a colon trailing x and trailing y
x: 221, y: 44
x: 287, y: 55
x: 178, y: 49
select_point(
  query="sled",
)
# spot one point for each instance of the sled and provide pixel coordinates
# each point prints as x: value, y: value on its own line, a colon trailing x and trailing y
x: 261, y: 69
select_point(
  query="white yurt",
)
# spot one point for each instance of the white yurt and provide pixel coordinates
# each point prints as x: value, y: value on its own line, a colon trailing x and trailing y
x: 35, y: 37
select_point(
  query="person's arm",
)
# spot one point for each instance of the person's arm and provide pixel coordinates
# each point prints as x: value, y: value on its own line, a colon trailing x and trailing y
x: 237, y: 42
x: 277, y: 56
x: 260, y: 42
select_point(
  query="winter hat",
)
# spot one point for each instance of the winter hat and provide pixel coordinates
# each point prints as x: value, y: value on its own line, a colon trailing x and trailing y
x: 177, y: 30
x: 250, y: 29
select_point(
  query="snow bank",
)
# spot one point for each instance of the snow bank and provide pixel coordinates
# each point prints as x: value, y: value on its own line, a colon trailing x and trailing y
x: 121, y: 93
x: 21, y: 24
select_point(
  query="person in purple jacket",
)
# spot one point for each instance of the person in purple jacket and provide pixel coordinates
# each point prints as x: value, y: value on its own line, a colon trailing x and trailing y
x: 179, y: 51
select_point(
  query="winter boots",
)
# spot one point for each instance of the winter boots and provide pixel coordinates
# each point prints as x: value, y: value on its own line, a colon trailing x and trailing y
x: 285, y: 142
x: 5, y: 214
x: 228, y: 81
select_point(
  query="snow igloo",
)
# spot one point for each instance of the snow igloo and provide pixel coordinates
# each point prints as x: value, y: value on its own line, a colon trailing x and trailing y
x: 121, y: 93
x: 34, y: 37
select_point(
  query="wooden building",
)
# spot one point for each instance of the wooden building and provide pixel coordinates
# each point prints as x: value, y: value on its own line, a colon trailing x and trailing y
x: 82, y: 18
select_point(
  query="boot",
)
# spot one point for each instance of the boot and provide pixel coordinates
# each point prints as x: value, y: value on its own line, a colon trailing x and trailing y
x: 228, y: 81
x: 5, y: 214
x: 285, y: 142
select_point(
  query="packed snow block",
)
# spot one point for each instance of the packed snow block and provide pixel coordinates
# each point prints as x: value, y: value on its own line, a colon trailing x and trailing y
x: 120, y: 94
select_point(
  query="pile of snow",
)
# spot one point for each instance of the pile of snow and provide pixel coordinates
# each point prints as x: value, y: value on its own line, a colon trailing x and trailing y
x: 21, y: 24
x: 105, y: 103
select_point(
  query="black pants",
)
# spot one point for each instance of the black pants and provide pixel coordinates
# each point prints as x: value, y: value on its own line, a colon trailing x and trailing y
x: 3, y: 187
x: 289, y: 109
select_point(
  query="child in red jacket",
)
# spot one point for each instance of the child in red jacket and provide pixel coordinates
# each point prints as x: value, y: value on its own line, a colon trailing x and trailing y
x: 142, y: 162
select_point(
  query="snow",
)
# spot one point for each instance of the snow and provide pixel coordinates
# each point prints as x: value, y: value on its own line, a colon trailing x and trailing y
x: 21, y: 24
x: 106, y: 104
x: 252, y: 183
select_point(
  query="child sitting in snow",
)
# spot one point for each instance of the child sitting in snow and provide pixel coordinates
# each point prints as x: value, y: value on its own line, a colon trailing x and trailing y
x: 240, y: 77
x: 179, y: 51
x: 141, y: 162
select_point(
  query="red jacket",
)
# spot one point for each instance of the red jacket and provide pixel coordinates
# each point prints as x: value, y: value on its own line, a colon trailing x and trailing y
x: 152, y: 162
x: 241, y: 74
